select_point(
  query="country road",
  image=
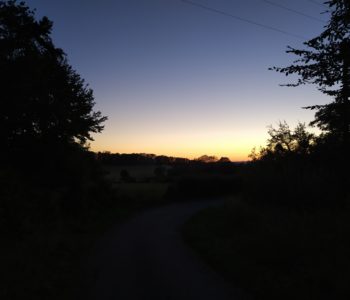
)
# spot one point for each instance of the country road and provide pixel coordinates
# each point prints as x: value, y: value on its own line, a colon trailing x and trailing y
x: 146, y: 259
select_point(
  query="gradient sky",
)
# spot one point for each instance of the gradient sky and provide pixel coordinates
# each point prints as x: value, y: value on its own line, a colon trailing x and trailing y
x: 179, y: 80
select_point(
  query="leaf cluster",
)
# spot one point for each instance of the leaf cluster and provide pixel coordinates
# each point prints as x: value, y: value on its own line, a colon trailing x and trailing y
x: 322, y: 61
x: 43, y: 99
x: 284, y: 142
x: 326, y: 63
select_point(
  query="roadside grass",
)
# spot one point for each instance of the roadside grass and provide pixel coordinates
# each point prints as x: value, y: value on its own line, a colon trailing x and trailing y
x: 142, y: 191
x: 275, y: 254
x: 47, y: 264
x: 47, y: 261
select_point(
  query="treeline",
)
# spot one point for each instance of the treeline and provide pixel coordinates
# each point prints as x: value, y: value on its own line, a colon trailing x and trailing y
x: 298, y: 170
x: 152, y: 159
x: 139, y: 159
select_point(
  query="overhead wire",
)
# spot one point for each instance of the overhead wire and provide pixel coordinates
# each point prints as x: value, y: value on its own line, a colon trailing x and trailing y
x: 316, y: 2
x: 293, y: 11
x: 300, y: 37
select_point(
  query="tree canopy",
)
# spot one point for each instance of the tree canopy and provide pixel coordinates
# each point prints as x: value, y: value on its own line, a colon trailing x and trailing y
x: 285, y: 142
x: 326, y: 63
x: 44, y: 100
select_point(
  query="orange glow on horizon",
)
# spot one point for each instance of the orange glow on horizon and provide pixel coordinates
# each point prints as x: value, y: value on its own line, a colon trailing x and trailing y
x: 236, y: 147
x: 180, y: 154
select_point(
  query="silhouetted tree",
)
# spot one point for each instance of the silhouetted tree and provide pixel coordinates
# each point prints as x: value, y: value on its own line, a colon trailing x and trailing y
x: 207, y: 159
x: 43, y: 100
x: 281, y: 139
x: 159, y: 172
x: 124, y: 175
x: 224, y: 160
x: 326, y: 63
x: 285, y: 142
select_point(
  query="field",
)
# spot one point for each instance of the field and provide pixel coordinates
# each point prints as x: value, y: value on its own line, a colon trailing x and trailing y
x: 46, y: 262
x: 144, y: 186
x: 275, y: 254
x: 140, y: 173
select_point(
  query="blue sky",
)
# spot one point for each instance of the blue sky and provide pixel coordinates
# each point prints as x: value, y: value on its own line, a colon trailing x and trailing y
x: 176, y: 79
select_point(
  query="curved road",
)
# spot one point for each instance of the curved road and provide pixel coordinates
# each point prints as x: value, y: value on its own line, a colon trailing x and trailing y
x: 146, y: 258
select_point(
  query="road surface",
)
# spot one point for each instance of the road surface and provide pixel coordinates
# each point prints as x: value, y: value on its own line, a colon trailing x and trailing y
x: 146, y: 259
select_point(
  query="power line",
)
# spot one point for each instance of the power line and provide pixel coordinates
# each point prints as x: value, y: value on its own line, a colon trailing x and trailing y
x: 243, y: 19
x: 294, y: 11
x: 316, y: 2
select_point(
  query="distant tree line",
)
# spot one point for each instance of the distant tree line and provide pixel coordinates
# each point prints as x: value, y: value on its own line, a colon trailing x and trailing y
x: 138, y: 159
x: 151, y: 159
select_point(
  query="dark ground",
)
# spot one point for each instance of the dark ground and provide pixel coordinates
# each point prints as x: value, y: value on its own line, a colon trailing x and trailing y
x: 146, y: 258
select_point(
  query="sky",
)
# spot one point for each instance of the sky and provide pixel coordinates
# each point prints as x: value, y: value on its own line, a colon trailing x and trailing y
x: 177, y: 79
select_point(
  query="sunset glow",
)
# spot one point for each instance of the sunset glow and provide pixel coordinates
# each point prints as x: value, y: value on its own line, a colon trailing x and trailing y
x: 189, y: 88
x: 234, y: 146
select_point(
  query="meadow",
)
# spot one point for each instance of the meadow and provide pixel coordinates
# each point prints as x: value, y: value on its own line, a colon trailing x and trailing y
x: 48, y: 239
x: 285, y: 235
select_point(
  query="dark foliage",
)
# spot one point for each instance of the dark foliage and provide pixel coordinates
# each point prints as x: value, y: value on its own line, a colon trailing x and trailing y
x: 297, y: 170
x: 152, y: 159
x: 199, y: 180
x: 326, y: 63
x: 286, y: 236
x: 284, y: 142
x: 139, y: 159
x: 160, y: 173
x: 51, y: 188
x: 125, y: 176
x: 44, y: 101
x: 274, y: 253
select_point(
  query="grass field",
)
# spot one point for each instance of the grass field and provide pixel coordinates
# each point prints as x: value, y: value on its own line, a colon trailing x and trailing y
x: 138, y: 172
x: 275, y: 254
x: 46, y: 262
x: 144, y: 191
